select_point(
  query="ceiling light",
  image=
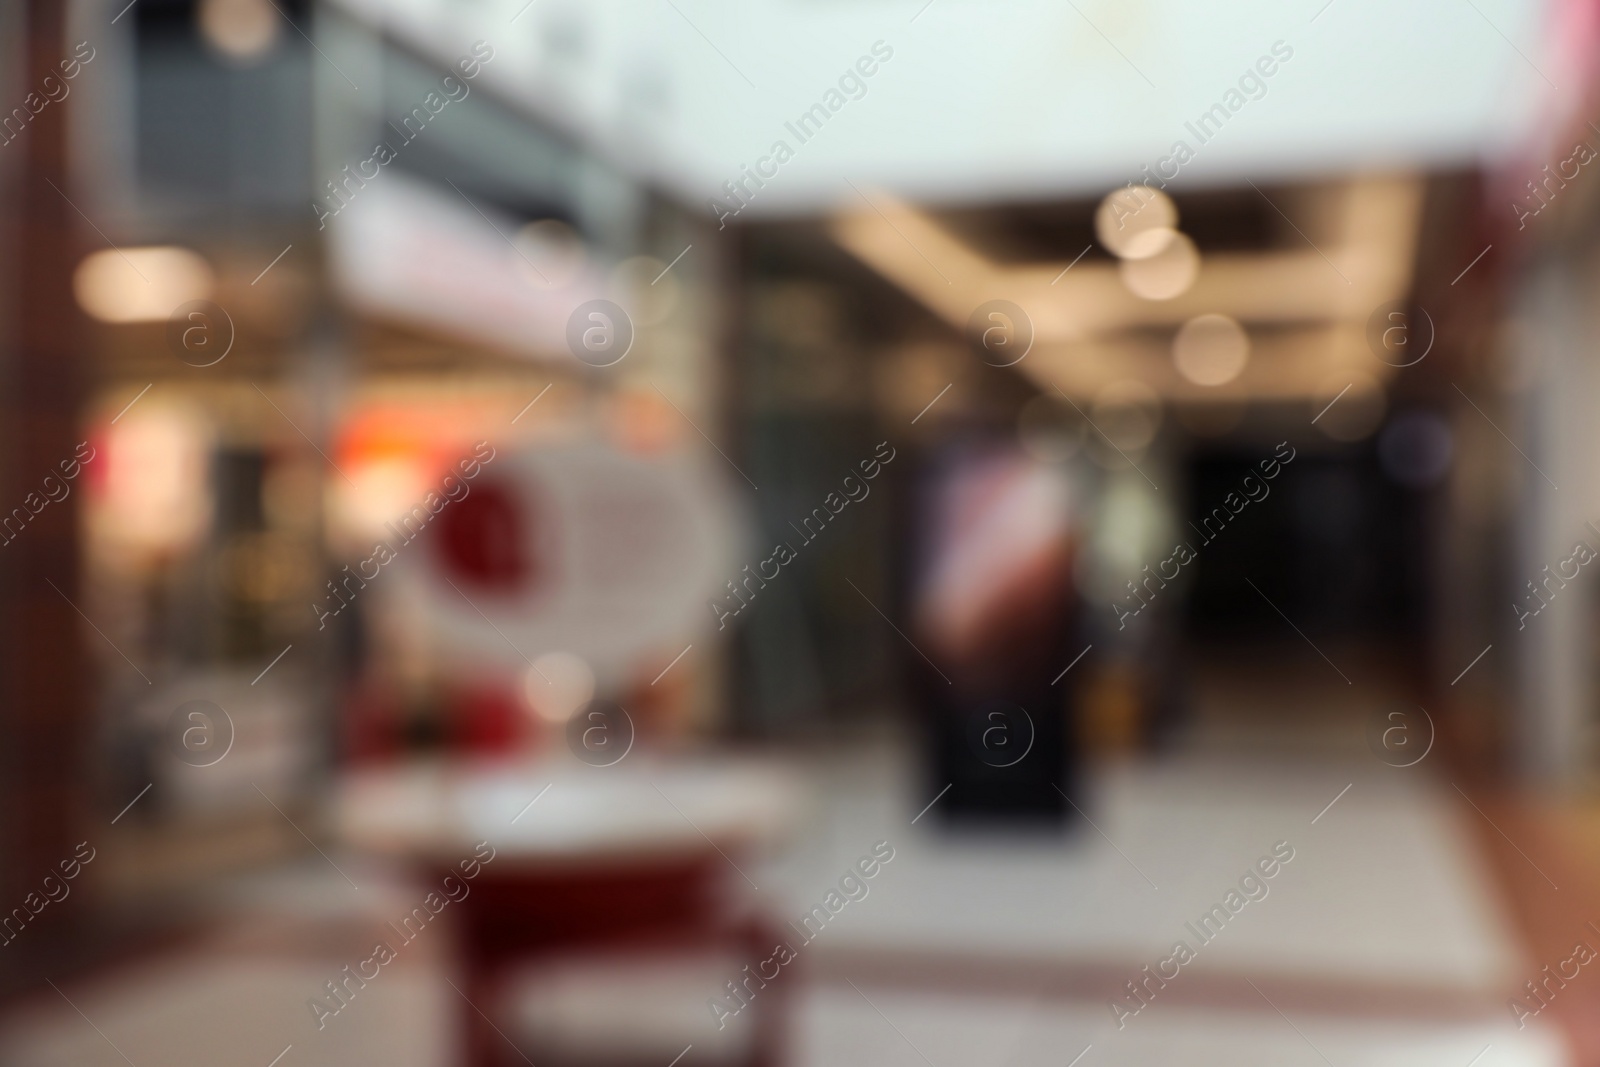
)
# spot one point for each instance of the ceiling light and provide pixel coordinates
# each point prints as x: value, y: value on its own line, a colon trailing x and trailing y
x: 1147, y: 243
x: 140, y: 284
x: 1166, y: 274
x: 1130, y: 211
x: 242, y: 30
x: 1211, y: 349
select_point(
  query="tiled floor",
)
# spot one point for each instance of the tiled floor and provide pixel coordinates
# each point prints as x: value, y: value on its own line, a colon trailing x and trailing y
x: 237, y: 996
x: 1389, y: 938
x: 1384, y: 887
x: 1382, y: 933
x: 839, y: 1025
x: 200, y: 1011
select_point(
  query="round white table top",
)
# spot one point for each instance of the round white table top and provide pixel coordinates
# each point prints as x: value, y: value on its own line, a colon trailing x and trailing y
x: 562, y: 811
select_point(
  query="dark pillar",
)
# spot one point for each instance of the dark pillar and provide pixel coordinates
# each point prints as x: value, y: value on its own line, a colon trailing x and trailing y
x: 43, y: 691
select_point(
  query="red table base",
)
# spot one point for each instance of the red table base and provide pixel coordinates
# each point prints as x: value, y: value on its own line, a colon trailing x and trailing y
x: 514, y: 917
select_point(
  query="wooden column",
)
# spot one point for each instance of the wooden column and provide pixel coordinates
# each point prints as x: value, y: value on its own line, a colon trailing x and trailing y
x: 44, y: 695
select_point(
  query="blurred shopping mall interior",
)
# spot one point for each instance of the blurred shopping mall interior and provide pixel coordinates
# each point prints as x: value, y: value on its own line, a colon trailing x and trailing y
x: 663, y: 533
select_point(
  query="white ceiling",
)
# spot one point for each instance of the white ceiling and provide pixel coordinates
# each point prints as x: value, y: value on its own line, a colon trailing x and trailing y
x: 1010, y: 99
